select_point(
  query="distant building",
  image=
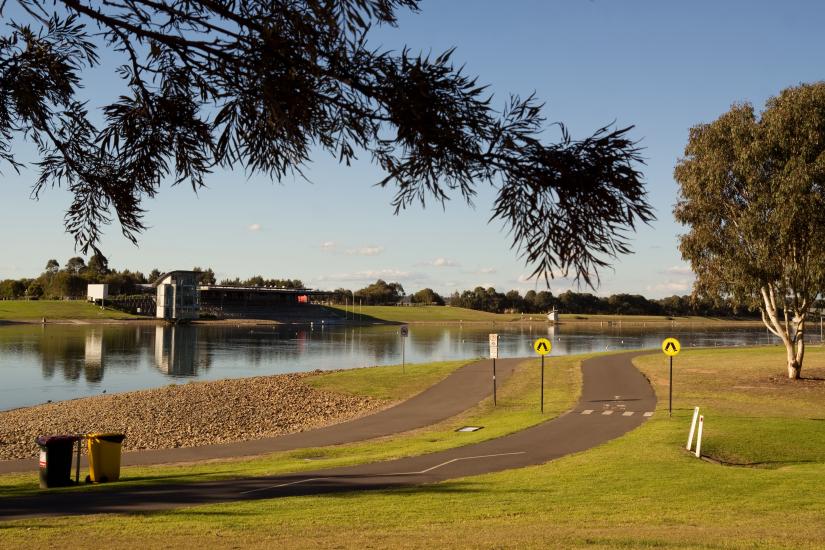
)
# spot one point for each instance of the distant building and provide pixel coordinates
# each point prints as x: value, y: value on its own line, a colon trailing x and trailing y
x: 177, y: 296
x: 97, y: 292
x: 255, y: 302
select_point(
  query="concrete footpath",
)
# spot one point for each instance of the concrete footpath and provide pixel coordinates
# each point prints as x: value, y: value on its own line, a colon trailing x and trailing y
x: 616, y: 398
x: 456, y: 393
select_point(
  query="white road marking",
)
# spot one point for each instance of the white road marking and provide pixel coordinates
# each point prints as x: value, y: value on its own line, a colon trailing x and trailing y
x: 587, y: 411
x: 649, y: 413
x: 605, y: 413
x: 627, y: 413
x: 385, y: 475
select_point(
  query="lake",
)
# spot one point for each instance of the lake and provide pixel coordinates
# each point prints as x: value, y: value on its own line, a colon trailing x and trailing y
x: 57, y: 362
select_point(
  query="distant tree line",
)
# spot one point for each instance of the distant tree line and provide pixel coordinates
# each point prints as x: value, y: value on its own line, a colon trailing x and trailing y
x: 71, y: 280
x: 259, y: 281
x: 379, y: 293
x: 488, y: 299
x: 585, y: 303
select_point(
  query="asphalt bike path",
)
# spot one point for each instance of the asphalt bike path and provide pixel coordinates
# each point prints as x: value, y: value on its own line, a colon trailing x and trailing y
x: 616, y: 398
x: 460, y: 390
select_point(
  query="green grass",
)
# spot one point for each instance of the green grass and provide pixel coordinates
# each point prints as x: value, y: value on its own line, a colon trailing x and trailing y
x: 754, y: 414
x: 429, y: 314
x: 639, y: 491
x: 24, y: 310
x: 389, y: 383
x: 517, y: 408
x: 636, y: 319
x: 445, y: 314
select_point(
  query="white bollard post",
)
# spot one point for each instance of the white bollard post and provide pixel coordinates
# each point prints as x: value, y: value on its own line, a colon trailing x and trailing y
x: 692, y: 427
x: 699, y: 437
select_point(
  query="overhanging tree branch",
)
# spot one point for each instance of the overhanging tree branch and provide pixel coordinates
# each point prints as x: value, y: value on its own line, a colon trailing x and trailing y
x: 260, y: 84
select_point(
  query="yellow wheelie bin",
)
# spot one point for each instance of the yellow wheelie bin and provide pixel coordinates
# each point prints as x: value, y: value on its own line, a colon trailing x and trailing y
x: 104, y: 456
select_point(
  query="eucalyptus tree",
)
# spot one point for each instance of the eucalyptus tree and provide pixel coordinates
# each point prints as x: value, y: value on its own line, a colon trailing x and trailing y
x: 263, y: 85
x: 752, y: 193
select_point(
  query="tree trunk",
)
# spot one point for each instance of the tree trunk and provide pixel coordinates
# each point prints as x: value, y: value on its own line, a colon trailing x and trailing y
x: 791, y: 331
x: 794, y: 366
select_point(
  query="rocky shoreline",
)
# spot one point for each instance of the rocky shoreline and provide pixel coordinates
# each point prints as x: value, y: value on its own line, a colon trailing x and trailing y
x: 186, y: 415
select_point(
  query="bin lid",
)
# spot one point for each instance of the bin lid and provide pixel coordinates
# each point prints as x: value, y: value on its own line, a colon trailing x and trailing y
x: 56, y: 439
x: 111, y: 437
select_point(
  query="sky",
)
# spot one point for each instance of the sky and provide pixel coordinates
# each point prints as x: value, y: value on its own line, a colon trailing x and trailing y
x: 660, y: 66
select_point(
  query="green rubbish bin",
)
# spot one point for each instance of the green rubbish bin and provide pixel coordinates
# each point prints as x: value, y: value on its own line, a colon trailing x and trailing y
x: 104, y: 456
x: 56, y: 460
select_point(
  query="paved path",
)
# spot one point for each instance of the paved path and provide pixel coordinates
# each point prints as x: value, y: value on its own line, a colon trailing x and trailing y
x: 459, y: 391
x: 615, y: 399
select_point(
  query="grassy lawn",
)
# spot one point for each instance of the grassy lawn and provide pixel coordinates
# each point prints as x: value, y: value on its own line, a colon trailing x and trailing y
x: 444, y: 314
x: 639, y: 491
x: 517, y: 408
x: 22, y: 310
x: 385, y: 382
x: 753, y: 414
x: 430, y: 314
x: 635, y: 319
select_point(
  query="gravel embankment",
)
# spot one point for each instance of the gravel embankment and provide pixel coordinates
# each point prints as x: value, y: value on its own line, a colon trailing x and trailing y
x: 186, y: 415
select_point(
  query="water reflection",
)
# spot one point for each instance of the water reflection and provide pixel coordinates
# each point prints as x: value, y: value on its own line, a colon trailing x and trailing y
x: 54, y: 362
x: 93, y: 357
x: 177, y: 352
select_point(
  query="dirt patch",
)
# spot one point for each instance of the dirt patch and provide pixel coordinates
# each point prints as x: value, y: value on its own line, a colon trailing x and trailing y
x: 811, y: 378
x: 187, y: 415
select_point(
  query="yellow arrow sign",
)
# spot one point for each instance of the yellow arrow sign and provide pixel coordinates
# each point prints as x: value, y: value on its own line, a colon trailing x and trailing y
x: 542, y: 346
x: 671, y: 346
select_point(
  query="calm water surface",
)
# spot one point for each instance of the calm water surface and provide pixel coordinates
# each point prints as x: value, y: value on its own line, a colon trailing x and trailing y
x: 56, y: 362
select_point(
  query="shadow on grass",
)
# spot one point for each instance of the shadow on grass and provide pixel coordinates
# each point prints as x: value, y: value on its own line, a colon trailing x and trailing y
x: 125, y: 483
x: 764, y: 464
x: 146, y: 499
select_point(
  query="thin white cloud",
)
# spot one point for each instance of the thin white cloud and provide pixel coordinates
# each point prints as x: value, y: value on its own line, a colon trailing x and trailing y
x: 328, y: 246
x: 254, y: 227
x: 670, y: 286
x: 487, y: 270
x: 524, y: 278
x: 679, y: 270
x: 366, y: 251
x: 368, y: 275
x: 444, y: 262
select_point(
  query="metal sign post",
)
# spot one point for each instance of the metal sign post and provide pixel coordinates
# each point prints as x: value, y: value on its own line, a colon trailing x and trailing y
x: 405, y: 331
x: 671, y: 347
x: 494, y: 383
x: 670, y: 390
x: 542, y: 346
x: 542, y: 384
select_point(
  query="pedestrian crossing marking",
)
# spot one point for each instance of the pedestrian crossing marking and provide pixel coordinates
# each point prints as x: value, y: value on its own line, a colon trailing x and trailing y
x: 608, y: 412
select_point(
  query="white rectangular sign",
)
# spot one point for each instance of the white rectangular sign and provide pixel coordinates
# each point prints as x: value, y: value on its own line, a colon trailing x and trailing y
x: 494, y: 346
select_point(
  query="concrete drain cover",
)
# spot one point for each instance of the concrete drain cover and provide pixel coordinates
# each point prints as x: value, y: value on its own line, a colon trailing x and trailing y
x: 469, y: 429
